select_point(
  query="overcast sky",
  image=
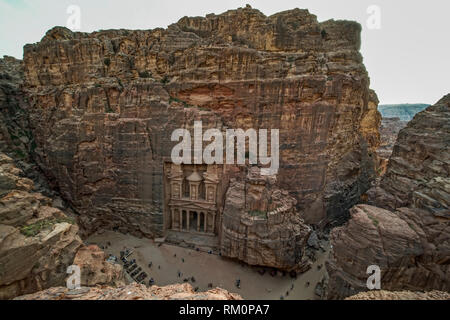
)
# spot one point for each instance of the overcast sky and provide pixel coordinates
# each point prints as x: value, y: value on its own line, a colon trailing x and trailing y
x: 407, y: 57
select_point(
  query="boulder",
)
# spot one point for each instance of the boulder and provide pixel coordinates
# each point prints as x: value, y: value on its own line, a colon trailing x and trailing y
x: 95, y: 270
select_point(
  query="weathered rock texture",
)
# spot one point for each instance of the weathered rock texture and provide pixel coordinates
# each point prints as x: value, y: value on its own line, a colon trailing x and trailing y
x: 95, y: 270
x: 261, y: 225
x: 104, y: 105
x: 390, y: 127
x: 132, y: 292
x: 400, y: 295
x: 418, y: 173
x: 37, y: 241
x: 15, y: 136
x: 410, y: 245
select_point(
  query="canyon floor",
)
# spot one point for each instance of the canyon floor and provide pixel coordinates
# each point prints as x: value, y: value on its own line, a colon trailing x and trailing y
x: 211, y: 268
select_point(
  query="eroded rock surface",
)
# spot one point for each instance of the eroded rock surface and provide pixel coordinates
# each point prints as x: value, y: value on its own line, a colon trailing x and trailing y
x: 104, y: 105
x: 132, y: 292
x: 390, y: 127
x: 37, y: 241
x: 261, y: 225
x: 418, y: 173
x: 15, y: 136
x: 95, y: 270
x: 411, y: 245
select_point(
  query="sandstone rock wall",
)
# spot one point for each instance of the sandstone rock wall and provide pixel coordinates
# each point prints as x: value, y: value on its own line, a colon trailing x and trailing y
x: 132, y: 292
x: 103, y: 107
x: 410, y: 245
x: 37, y: 241
x: 390, y: 127
x: 95, y: 270
x: 400, y: 295
x: 261, y: 226
x: 15, y: 135
x: 418, y: 173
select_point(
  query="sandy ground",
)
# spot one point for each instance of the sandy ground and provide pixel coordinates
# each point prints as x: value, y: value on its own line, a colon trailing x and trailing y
x: 209, y: 268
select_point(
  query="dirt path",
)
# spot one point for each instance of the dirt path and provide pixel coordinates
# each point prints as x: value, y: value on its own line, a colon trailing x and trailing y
x: 207, y: 268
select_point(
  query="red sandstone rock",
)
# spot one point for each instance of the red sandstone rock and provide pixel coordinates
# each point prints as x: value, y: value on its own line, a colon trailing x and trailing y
x: 95, y: 270
x: 37, y: 241
x: 390, y: 127
x: 103, y: 107
x: 418, y: 171
x: 261, y: 225
x: 410, y: 245
x: 132, y: 292
x: 400, y: 295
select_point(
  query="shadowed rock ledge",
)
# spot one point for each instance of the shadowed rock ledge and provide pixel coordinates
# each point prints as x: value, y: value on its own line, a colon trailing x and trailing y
x: 132, y: 292
x: 411, y: 245
x: 37, y: 241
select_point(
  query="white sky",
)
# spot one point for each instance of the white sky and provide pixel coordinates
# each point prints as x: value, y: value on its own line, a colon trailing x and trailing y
x: 408, y: 59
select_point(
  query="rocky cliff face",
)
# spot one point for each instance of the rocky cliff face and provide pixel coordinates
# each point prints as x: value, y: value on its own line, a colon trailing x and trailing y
x: 410, y: 245
x: 261, y: 225
x: 104, y: 105
x: 390, y: 127
x: 95, y: 270
x: 15, y: 135
x: 400, y: 295
x: 132, y: 292
x: 37, y: 241
x: 418, y: 173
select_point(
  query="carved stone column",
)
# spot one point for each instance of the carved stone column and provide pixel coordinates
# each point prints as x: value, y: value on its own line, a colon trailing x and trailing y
x: 172, y: 222
x: 205, y: 225
x: 181, y: 219
x: 188, y: 217
x: 213, y: 222
x: 198, y: 221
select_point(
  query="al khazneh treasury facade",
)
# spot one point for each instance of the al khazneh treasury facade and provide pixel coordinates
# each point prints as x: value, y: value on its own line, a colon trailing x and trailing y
x: 192, y: 198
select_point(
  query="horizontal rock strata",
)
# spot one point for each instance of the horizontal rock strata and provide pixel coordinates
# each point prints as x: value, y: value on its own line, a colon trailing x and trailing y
x: 261, y: 225
x: 37, y: 241
x: 400, y: 295
x: 411, y: 245
x: 132, y: 292
x: 95, y: 270
x: 104, y: 105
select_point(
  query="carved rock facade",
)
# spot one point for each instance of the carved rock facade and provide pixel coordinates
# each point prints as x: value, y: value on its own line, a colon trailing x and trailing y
x: 103, y: 107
